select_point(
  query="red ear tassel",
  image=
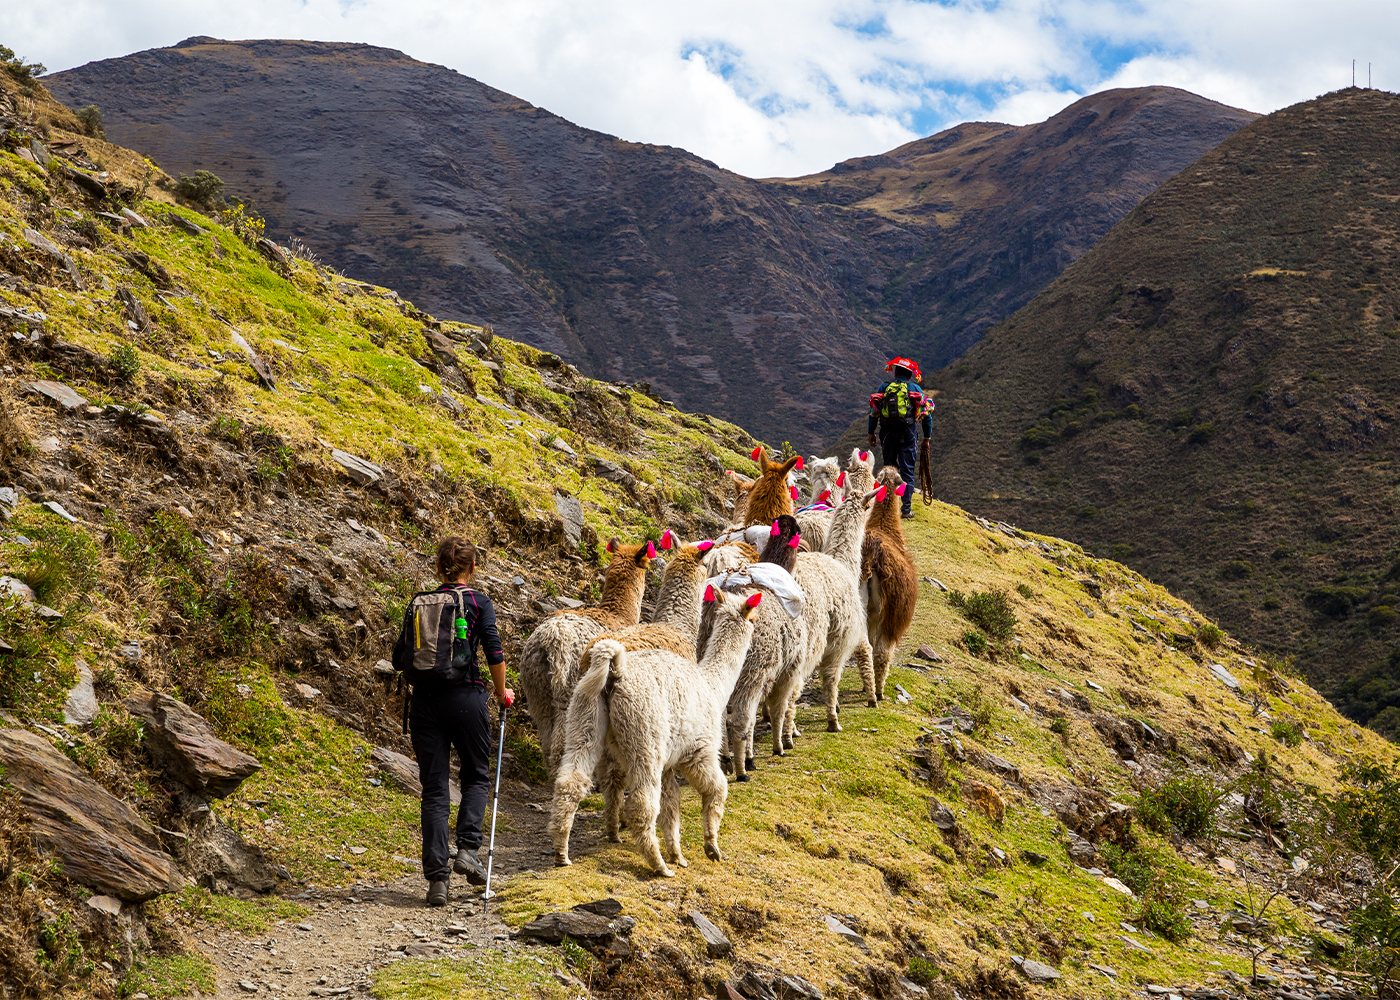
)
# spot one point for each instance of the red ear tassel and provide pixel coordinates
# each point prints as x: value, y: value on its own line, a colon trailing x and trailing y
x: 776, y: 531
x: 666, y: 541
x: 864, y: 455
x: 799, y: 463
x: 841, y: 479
x: 612, y: 546
x: 793, y: 490
x: 826, y: 495
x: 880, y: 495
x: 753, y: 601
x: 651, y: 550
x: 794, y: 541
x: 899, y: 490
x: 709, y: 595
x: 705, y: 546
x: 756, y: 452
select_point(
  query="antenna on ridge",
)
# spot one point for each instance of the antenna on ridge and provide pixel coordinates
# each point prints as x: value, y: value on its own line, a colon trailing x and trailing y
x: 1353, y: 72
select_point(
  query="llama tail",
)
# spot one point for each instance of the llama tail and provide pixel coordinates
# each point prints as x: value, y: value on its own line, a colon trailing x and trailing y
x: 587, y: 723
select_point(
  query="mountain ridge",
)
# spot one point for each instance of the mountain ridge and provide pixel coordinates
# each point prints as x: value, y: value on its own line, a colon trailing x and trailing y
x: 762, y: 301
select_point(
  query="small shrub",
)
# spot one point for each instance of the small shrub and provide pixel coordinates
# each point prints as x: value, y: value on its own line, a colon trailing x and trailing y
x: 1290, y: 734
x: 1236, y: 569
x: 979, y: 706
x: 201, y: 187
x: 974, y: 642
x: 923, y: 972
x: 91, y: 119
x: 1187, y: 800
x: 1381, y: 615
x: 1210, y: 635
x: 124, y: 363
x: 24, y: 72
x: 1161, y: 914
x: 63, y: 559
x: 991, y: 611
x: 1375, y: 929
x: 1025, y: 591
x: 1061, y: 728
x: 1201, y: 433
x: 1366, y: 809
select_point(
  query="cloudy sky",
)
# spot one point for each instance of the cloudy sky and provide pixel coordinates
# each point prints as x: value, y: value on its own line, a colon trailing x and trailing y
x: 785, y: 87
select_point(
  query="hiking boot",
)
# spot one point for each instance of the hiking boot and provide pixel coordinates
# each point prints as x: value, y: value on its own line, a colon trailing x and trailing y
x: 908, y: 515
x: 469, y: 865
x: 437, y: 893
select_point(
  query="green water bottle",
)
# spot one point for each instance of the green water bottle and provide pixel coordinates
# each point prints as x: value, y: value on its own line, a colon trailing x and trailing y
x: 462, y: 629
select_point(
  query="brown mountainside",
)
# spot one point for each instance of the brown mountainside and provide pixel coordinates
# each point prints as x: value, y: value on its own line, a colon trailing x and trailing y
x: 1210, y: 394
x: 761, y: 301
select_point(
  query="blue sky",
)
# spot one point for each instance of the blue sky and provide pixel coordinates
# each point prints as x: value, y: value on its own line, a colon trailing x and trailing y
x: 782, y: 88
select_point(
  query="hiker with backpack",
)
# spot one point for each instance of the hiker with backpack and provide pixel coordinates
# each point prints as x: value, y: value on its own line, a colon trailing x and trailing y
x: 899, y: 408
x: 447, y: 707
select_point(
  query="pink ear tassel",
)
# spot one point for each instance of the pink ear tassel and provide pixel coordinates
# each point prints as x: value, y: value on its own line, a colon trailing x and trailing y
x: 776, y: 531
x: 705, y: 546
x: 899, y: 490
x: 651, y: 551
x: 799, y: 463
x: 754, y: 600
x: 864, y: 455
x: 880, y: 495
x: 709, y: 595
x: 666, y: 539
x: 793, y: 491
x: 756, y: 452
x: 794, y: 541
x: 841, y: 479
x: 826, y: 495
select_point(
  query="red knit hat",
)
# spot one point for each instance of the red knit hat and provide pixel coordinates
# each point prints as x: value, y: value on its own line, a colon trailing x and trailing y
x: 905, y: 363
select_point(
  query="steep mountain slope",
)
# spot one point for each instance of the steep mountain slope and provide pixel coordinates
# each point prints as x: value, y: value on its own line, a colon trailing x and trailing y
x: 762, y: 302
x: 196, y: 530
x: 999, y: 210
x: 1210, y: 392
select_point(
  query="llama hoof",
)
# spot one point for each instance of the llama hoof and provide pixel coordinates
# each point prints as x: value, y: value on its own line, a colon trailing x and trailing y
x: 779, y: 753
x: 787, y: 745
x: 614, y: 837
x: 681, y: 861
x: 748, y: 764
x: 832, y: 726
x: 741, y: 777
x: 665, y: 872
x: 871, y: 703
x: 562, y: 861
x: 712, y: 852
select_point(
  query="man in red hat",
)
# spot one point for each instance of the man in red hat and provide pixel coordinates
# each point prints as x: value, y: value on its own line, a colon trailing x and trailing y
x: 898, y: 408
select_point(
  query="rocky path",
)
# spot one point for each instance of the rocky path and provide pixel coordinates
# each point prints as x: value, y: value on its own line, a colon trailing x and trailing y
x: 354, y: 930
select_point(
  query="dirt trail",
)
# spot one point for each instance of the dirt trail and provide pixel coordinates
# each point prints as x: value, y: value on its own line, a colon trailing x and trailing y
x: 362, y: 927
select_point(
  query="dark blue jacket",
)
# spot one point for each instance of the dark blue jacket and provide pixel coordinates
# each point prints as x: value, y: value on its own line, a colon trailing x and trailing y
x: 916, y: 392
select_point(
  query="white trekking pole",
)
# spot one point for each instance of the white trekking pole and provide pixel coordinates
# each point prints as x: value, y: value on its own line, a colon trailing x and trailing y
x: 495, y: 801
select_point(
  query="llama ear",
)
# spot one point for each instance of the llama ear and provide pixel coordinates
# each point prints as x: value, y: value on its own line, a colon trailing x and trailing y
x: 880, y: 495
x: 668, y: 539
x: 798, y: 466
x: 709, y: 595
x: 875, y: 494
x: 899, y: 490
x: 791, y: 464
x: 704, y: 546
x: 758, y: 450
x: 776, y: 531
x: 612, y: 544
x: 841, y: 479
x: 751, y: 605
x: 825, y: 496
x: 792, y: 492
x: 648, y: 553
x: 864, y: 455
x: 794, y: 541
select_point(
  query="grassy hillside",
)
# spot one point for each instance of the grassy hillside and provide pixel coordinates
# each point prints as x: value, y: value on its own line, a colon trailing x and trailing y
x: 1209, y: 395
x: 214, y: 528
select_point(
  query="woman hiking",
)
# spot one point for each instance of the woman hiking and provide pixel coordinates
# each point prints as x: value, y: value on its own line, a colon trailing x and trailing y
x: 436, y: 651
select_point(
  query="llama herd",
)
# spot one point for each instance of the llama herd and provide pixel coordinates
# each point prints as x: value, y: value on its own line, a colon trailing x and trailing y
x: 741, y: 621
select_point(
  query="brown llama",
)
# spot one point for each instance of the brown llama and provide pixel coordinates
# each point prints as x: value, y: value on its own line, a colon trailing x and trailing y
x: 889, y: 580
x: 742, y: 486
x: 550, y: 662
x: 770, y: 496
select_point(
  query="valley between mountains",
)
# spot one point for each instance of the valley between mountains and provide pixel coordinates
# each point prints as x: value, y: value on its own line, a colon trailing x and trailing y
x: 223, y: 467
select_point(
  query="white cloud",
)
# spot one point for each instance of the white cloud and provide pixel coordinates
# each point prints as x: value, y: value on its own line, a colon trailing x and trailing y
x: 775, y: 87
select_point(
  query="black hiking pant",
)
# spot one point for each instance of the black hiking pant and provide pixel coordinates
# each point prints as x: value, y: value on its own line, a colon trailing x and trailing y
x: 440, y: 719
x: 899, y: 447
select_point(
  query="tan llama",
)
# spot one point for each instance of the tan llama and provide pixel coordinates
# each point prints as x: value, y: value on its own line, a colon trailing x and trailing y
x: 549, y: 662
x: 771, y: 493
x: 659, y: 714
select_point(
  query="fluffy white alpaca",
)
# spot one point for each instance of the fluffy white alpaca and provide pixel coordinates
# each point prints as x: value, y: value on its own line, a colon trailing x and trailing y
x: 828, y: 487
x: 657, y: 713
x: 549, y: 662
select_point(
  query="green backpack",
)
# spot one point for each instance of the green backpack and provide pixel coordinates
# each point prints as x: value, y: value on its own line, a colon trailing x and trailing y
x: 897, y: 404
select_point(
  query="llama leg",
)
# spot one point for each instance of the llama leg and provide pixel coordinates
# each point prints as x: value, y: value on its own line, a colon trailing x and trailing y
x: 647, y: 795
x: 778, y: 701
x: 671, y: 818
x: 790, y: 730
x: 871, y: 679
x: 865, y: 662
x: 831, y: 666
x: 614, y: 794
x: 748, y: 749
x: 569, y: 791
x: 708, y: 780
x: 883, y: 652
x: 544, y: 728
